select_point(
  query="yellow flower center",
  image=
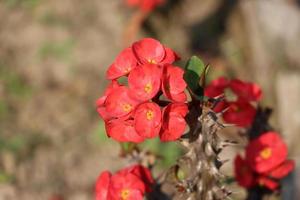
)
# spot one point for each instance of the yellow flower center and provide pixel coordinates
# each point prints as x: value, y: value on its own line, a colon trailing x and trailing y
x: 148, y: 88
x: 149, y: 114
x: 125, y: 194
x: 152, y: 61
x: 127, y: 70
x: 127, y: 107
x: 266, y: 153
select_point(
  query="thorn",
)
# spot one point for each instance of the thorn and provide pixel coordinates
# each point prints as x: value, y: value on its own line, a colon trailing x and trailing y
x: 229, y: 125
x: 223, y: 111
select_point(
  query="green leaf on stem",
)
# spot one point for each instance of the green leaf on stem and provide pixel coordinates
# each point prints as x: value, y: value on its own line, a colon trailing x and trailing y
x: 194, y: 75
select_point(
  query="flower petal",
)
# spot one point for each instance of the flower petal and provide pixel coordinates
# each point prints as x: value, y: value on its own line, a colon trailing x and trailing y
x: 119, y: 103
x: 246, y: 90
x: 122, y: 131
x: 266, y: 152
x: 147, y: 120
x: 102, y: 185
x: 144, y: 82
x: 174, y: 123
x: 123, y: 64
x: 149, y: 50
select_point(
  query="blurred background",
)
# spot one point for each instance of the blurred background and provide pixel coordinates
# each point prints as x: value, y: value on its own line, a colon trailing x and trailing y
x: 53, y: 57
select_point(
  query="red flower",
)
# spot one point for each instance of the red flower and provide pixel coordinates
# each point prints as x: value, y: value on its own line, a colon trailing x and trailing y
x: 151, y: 51
x: 147, y: 120
x: 173, y: 84
x: 127, y: 184
x: 271, y: 179
x: 266, y: 152
x: 247, y: 91
x: 102, y: 185
x: 143, y: 173
x: 240, y: 113
x: 126, y: 187
x: 247, y: 178
x: 123, y: 131
x: 267, y: 182
x: 101, y: 101
x: 173, y: 121
x: 118, y: 103
x: 216, y: 87
x: 123, y: 64
x: 282, y: 170
x: 244, y: 175
x: 145, y: 5
x: 144, y: 82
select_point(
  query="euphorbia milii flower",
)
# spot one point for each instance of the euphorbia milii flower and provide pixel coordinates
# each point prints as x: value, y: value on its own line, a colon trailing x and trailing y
x: 102, y: 185
x: 123, y: 130
x: 247, y: 91
x: 118, y: 103
x: 282, y: 170
x: 271, y: 179
x: 243, y: 173
x: 238, y: 98
x: 248, y: 178
x: 173, y: 84
x: 126, y: 187
x: 144, y: 174
x: 145, y: 5
x: 147, y: 120
x: 266, y: 152
x: 127, y: 184
x: 123, y: 64
x: 174, y: 124
x: 216, y: 87
x: 151, y: 51
x: 101, y: 101
x: 144, y: 81
x: 240, y: 113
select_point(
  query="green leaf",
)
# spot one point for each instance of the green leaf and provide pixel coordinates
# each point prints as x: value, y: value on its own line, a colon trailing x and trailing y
x: 194, y: 71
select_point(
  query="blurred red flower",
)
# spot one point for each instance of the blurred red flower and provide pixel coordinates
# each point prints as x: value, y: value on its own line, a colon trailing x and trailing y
x: 145, y: 5
x: 243, y: 173
x: 239, y: 97
x: 266, y: 152
x: 239, y: 112
x: 265, y: 163
x: 127, y: 184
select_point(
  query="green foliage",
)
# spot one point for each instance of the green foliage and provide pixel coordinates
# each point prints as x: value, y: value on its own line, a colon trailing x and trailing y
x: 58, y: 50
x: 5, y: 178
x: 22, y: 3
x: 13, y: 83
x: 169, y: 151
x: 194, y: 75
x: 3, y: 109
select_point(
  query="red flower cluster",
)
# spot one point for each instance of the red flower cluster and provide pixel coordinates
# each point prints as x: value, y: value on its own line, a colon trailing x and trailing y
x: 127, y: 184
x: 265, y: 163
x: 241, y: 94
x: 145, y: 5
x: 132, y: 113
